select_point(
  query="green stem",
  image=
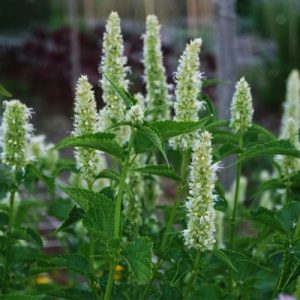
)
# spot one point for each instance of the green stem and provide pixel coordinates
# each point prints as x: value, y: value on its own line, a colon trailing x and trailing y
x: 282, y: 271
x: 117, y: 218
x: 9, y: 232
x: 193, y: 277
x: 235, y: 204
x: 184, y: 168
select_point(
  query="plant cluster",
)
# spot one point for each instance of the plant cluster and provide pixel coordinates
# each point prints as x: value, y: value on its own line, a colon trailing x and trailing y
x: 118, y: 240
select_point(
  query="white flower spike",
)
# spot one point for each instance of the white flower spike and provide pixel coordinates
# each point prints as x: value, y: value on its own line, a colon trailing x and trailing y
x: 188, y: 79
x: 16, y: 132
x: 155, y: 73
x: 200, y: 232
x: 241, y: 107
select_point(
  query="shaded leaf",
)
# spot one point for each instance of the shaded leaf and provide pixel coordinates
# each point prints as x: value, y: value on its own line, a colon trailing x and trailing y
x: 4, y: 92
x: 74, y: 216
x: 160, y: 170
x: 100, y: 217
x: 223, y: 257
x: 127, y: 97
x: 170, y: 128
x: 100, y: 141
x: 138, y: 255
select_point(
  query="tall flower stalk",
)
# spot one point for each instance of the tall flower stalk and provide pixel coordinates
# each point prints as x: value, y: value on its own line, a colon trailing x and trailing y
x: 113, y: 66
x: 290, y: 124
x: 200, y: 231
x: 16, y: 131
x: 240, y: 121
x: 155, y: 73
x: 188, y: 87
x: 89, y: 161
x: 187, y: 106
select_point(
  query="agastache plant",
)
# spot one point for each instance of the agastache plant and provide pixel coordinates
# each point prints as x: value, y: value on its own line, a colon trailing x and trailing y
x: 201, y: 216
x: 89, y: 161
x: 188, y: 87
x: 113, y: 67
x: 155, y: 73
x: 16, y: 132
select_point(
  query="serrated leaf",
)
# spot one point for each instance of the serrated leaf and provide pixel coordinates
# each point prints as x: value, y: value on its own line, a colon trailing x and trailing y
x: 127, y: 97
x: 76, y: 262
x: 138, y: 256
x: 288, y: 217
x: 159, y: 170
x: 109, y: 174
x: 151, y: 134
x: 4, y: 92
x: 170, y: 128
x: 281, y: 147
x: 223, y: 257
x: 81, y: 196
x: 74, y: 216
x: 267, y: 217
x: 156, y: 109
x: 222, y: 137
x: 227, y: 150
x: 261, y: 131
x: 66, y: 165
x: 100, y: 217
x: 100, y: 141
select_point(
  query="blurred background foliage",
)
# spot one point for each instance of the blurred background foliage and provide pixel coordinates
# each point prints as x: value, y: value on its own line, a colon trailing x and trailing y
x: 45, y: 45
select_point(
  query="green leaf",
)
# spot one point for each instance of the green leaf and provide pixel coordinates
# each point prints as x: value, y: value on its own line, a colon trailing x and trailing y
x: 35, y: 236
x: 152, y: 135
x: 220, y: 202
x: 100, y: 141
x: 66, y: 165
x: 110, y: 174
x: 128, y: 99
x: 261, y: 132
x: 160, y: 170
x: 75, y: 215
x: 28, y: 234
x: 100, y: 217
x: 271, y: 184
x: 81, y: 196
x: 288, y: 217
x: 268, y: 218
x: 227, y: 150
x: 138, y: 256
x: 169, y: 292
x: 4, y: 92
x: 169, y: 128
x: 209, y: 106
x: 223, y: 257
x: 156, y: 109
x: 222, y: 137
x: 76, y: 262
x: 281, y: 147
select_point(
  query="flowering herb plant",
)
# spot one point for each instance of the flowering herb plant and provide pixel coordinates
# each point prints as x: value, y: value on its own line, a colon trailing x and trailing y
x: 118, y: 239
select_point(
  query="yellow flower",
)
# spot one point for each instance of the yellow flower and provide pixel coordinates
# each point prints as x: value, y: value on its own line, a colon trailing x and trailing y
x: 43, y: 278
x: 118, y: 272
